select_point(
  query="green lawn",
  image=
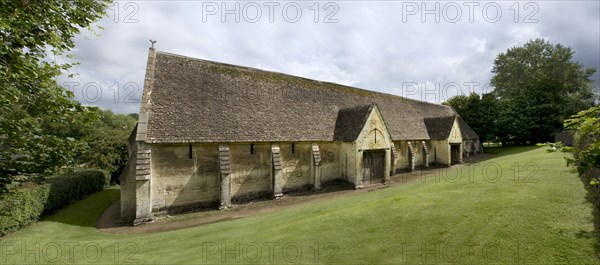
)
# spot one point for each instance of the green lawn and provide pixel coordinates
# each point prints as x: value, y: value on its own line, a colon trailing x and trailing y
x: 527, y: 208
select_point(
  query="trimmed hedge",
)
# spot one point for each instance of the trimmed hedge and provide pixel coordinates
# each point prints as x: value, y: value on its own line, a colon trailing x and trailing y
x: 70, y: 187
x: 25, y: 205
x: 22, y: 207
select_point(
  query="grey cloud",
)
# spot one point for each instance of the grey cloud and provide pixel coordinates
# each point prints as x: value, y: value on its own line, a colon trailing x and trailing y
x: 370, y: 47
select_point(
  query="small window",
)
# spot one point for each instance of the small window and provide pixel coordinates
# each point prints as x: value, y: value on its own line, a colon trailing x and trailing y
x: 251, y: 149
x: 293, y: 148
x: 375, y: 133
x: 190, y: 152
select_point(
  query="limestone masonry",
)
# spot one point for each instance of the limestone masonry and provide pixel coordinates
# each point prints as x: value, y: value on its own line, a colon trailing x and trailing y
x: 210, y: 134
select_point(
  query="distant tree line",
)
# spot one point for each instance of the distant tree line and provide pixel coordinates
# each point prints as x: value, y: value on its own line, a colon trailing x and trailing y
x: 102, y: 141
x: 537, y: 87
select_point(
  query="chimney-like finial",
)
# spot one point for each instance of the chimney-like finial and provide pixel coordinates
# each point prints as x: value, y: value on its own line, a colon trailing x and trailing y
x: 152, y: 41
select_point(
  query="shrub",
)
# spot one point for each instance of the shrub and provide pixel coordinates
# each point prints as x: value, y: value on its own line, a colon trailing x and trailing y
x: 70, y: 187
x: 25, y: 205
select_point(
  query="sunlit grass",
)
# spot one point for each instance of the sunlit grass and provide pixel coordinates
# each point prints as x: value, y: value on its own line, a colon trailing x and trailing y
x: 525, y: 207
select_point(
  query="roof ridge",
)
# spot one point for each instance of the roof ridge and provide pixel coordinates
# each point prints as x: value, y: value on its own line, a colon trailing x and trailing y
x: 197, y: 100
x: 356, y: 89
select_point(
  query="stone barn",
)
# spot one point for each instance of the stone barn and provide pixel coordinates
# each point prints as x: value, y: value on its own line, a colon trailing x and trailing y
x: 210, y: 134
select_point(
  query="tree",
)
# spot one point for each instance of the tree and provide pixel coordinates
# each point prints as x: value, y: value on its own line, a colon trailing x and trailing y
x: 480, y: 112
x: 31, y: 101
x: 538, y: 86
x: 107, y: 142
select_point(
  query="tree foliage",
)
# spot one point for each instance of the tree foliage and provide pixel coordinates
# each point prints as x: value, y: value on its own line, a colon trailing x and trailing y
x: 537, y: 87
x: 31, y: 101
x: 480, y: 112
x: 587, y: 142
x: 107, y: 143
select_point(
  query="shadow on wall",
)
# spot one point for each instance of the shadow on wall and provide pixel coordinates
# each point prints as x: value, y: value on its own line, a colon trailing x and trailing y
x: 251, y: 175
x: 253, y: 185
x: 199, y: 192
x: 296, y: 176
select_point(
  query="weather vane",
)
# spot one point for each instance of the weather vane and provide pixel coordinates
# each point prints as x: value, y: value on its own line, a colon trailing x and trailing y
x: 152, y: 41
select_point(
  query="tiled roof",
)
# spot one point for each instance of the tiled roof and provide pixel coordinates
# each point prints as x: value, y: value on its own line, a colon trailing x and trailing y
x: 466, y: 131
x: 350, y: 122
x: 195, y: 100
x: 439, y: 127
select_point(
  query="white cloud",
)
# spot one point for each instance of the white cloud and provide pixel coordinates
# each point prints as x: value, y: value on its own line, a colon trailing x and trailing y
x: 369, y: 47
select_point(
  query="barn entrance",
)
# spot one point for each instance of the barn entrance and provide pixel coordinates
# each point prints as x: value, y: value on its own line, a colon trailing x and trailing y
x: 373, y: 166
x: 455, y: 154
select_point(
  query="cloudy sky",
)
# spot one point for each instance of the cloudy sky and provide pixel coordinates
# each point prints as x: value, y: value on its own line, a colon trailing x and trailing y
x: 427, y: 50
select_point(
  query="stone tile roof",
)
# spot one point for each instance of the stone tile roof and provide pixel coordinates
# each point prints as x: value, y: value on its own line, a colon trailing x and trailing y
x: 194, y: 100
x: 350, y: 122
x: 439, y: 128
x: 466, y: 130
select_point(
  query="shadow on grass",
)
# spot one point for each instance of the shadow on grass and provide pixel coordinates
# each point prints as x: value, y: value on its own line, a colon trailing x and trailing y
x: 242, y: 209
x: 85, y: 212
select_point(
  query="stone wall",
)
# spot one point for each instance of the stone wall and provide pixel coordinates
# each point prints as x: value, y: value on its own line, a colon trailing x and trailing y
x: 184, y: 175
x: 348, y: 161
x: 431, y: 152
x: 296, y: 163
x: 441, y: 151
x: 419, y: 154
x: 455, y: 134
x: 250, y: 170
x: 127, y: 181
x: 565, y: 137
x: 373, y: 136
x: 471, y: 147
x: 403, y: 152
x: 421, y: 158
x: 331, y: 159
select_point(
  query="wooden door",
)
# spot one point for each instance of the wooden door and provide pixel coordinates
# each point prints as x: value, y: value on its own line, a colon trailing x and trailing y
x: 454, y: 153
x: 373, y: 167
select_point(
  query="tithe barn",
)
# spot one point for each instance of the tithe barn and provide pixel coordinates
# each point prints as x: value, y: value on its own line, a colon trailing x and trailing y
x: 210, y: 134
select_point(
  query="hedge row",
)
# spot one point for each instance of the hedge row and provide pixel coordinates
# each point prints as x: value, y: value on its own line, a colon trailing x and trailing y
x: 22, y: 207
x: 71, y: 187
x: 28, y: 203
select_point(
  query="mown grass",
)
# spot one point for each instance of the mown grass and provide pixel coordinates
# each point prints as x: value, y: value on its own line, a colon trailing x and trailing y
x: 525, y: 207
